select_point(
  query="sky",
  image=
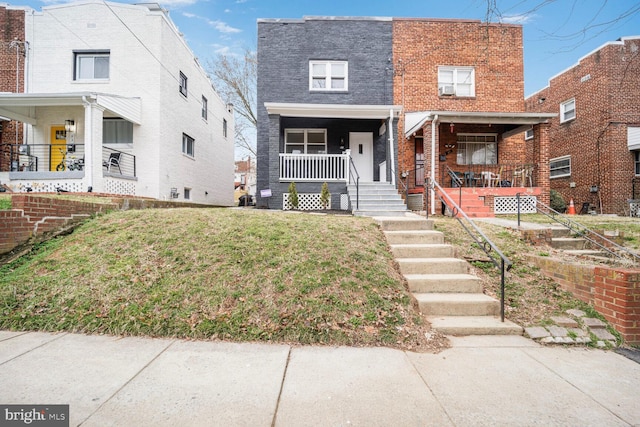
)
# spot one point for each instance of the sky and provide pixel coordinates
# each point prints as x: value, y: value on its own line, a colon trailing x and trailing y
x: 557, y: 33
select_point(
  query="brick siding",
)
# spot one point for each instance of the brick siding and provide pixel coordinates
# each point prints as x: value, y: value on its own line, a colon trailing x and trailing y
x: 606, y: 88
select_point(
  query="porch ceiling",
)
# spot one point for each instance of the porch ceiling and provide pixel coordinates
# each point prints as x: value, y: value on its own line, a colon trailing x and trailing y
x: 414, y: 121
x: 20, y: 106
x: 336, y: 111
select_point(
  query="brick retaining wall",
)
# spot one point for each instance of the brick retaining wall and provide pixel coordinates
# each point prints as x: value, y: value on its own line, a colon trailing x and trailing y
x: 613, y: 291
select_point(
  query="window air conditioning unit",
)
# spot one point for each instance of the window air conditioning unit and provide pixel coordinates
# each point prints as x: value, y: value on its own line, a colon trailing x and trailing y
x: 446, y: 90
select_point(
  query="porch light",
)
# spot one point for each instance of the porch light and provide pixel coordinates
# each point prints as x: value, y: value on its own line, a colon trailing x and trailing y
x: 451, y: 127
x: 69, y: 126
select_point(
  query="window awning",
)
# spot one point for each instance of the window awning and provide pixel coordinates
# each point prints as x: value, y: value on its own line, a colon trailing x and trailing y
x: 20, y: 106
x: 334, y: 111
x: 633, y: 138
x: 414, y: 121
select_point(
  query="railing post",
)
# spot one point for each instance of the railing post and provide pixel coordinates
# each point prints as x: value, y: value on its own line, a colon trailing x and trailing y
x: 502, y: 290
x: 518, y: 202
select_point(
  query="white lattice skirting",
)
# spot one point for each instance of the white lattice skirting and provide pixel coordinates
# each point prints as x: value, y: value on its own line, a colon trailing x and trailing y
x: 509, y: 205
x: 634, y: 208
x: 40, y: 186
x: 306, y: 202
x: 116, y: 186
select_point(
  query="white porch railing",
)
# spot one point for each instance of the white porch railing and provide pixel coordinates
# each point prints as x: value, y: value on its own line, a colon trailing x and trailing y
x: 314, y: 167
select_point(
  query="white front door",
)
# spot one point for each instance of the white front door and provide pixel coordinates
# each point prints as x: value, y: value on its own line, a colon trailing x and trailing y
x: 361, y: 145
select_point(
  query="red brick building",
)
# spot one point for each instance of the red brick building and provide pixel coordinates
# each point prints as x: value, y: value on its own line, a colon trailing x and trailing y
x: 595, y: 140
x: 466, y: 79
x: 12, y: 71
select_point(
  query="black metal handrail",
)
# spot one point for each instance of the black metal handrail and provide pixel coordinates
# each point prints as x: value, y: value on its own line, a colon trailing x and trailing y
x: 352, y: 166
x: 584, y: 232
x: 493, y: 252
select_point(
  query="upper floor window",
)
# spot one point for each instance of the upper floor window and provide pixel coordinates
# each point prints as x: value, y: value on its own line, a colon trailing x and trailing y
x: 305, y: 141
x: 183, y: 84
x: 458, y: 81
x: 528, y: 134
x: 188, y: 145
x: 117, y: 131
x: 224, y: 127
x: 477, y: 149
x: 328, y: 75
x: 560, y: 166
x: 568, y: 110
x: 205, y: 107
x: 92, y: 65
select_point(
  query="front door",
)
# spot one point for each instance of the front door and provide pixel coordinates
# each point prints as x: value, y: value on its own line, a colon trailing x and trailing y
x: 58, y: 147
x: 361, y: 145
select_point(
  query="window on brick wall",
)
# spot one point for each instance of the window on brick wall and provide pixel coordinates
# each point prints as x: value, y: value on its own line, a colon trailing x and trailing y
x: 528, y: 134
x: 477, y: 149
x: 560, y: 167
x: 328, y: 75
x: 93, y: 65
x: 458, y: 81
x: 568, y: 110
x: 636, y: 157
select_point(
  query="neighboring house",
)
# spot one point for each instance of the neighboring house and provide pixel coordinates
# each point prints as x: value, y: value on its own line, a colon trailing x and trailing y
x: 245, y: 178
x: 595, y: 140
x: 342, y: 94
x: 325, y: 98
x: 461, y: 84
x: 115, y: 102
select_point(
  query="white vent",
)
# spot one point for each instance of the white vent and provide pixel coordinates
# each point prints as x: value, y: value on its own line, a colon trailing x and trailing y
x: 446, y: 90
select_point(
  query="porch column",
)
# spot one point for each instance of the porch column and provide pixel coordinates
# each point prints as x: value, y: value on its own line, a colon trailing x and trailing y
x: 93, y: 115
x: 541, y: 158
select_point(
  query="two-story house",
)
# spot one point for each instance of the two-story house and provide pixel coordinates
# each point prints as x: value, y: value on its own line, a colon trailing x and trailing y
x: 595, y: 139
x: 396, y: 101
x: 461, y: 85
x: 325, y: 107
x: 115, y: 102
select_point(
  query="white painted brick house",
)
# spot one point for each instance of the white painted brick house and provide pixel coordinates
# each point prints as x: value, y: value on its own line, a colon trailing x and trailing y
x: 116, y: 101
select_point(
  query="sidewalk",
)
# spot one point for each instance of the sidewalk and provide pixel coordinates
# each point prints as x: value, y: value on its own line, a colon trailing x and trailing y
x: 511, y: 380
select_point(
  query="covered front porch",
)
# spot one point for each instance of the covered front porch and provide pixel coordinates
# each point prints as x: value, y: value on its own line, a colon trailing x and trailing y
x: 62, y: 142
x: 311, y: 144
x: 485, y: 158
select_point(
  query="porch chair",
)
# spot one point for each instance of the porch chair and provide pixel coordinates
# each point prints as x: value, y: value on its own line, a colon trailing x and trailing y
x: 114, y: 160
x: 522, y: 174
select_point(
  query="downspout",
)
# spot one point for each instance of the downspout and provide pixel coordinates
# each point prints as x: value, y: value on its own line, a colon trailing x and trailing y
x: 434, y: 124
x: 393, y: 166
x: 88, y: 140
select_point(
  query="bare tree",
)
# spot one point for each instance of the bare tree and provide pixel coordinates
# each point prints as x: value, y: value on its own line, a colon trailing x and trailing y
x: 234, y: 78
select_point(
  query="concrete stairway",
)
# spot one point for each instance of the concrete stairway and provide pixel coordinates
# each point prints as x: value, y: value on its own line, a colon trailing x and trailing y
x: 376, y: 199
x: 451, y: 298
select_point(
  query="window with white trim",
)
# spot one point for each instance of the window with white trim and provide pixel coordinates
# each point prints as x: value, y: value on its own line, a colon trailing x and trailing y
x: 328, y: 75
x: 305, y: 141
x: 560, y: 167
x: 528, y: 134
x: 568, y: 110
x: 91, y: 65
x: 457, y: 81
x: 187, y: 193
x: 188, y: 145
x: 477, y: 149
x: 205, y: 106
x: 636, y: 161
x: 183, y: 84
x: 117, y: 131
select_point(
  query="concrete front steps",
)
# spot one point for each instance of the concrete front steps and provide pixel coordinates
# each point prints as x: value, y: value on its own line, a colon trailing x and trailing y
x: 451, y: 298
x: 376, y: 199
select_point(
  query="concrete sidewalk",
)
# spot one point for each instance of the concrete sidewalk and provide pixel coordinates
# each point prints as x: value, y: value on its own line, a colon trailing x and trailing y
x: 510, y: 380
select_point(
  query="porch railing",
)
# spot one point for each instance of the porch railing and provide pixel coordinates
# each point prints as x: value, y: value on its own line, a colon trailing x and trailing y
x: 499, y: 175
x: 118, y: 163
x: 314, y: 167
x: 41, y: 157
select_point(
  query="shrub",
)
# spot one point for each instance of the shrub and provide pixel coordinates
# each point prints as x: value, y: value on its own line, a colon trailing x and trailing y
x: 325, y: 196
x: 293, y: 195
x: 557, y: 202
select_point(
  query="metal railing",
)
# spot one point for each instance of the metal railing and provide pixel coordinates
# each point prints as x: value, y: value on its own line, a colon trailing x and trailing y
x: 41, y: 157
x: 354, y: 171
x: 489, y: 248
x: 589, y: 235
x: 313, y: 167
x: 499, y: 175
x: 118, y: 163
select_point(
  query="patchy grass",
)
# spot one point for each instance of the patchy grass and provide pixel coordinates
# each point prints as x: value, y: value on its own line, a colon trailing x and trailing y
x: 530, y: 297
x: 218, y: 274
